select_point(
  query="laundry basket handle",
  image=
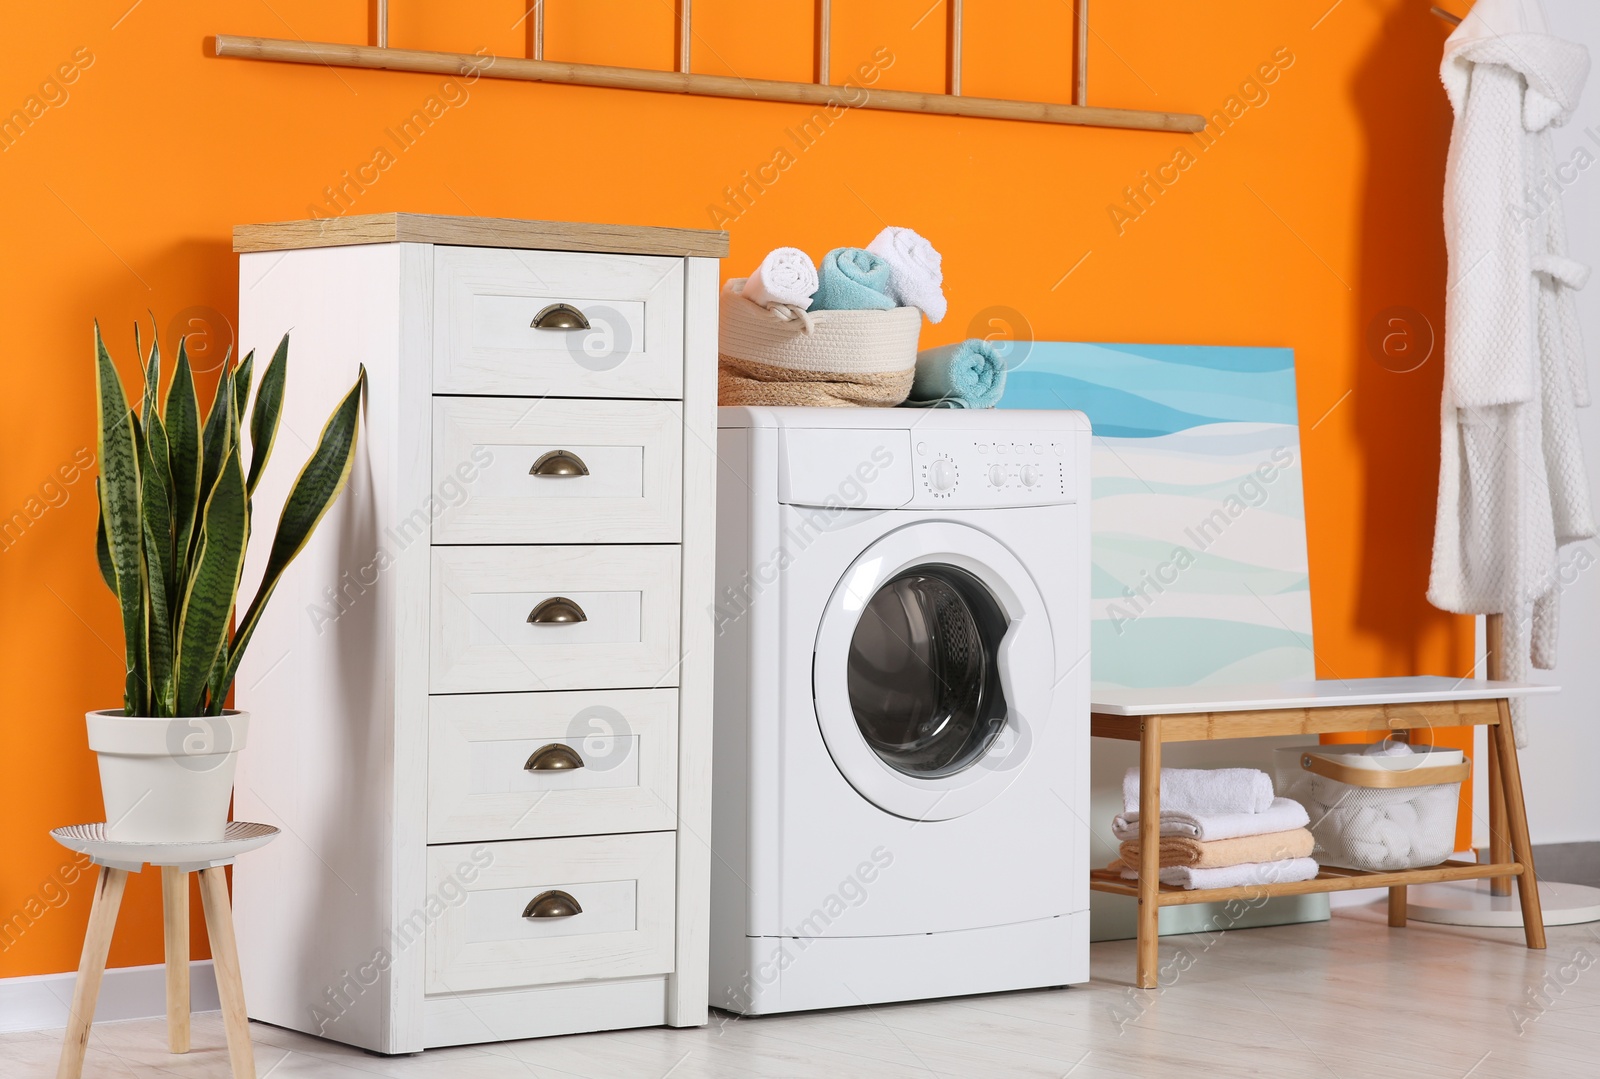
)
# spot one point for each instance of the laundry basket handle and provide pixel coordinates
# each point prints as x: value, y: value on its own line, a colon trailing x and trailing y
x: 1386, y: 777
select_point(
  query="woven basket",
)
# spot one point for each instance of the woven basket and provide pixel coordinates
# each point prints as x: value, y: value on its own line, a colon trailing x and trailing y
x: 790, y: 357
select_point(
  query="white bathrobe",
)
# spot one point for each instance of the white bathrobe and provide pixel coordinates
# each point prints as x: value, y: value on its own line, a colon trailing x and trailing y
x: 1512, y: 485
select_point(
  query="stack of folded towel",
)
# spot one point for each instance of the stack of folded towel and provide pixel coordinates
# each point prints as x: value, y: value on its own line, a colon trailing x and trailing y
x: 1220, y: 828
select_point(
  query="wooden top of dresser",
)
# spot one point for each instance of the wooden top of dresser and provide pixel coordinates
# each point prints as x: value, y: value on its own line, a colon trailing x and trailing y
x: 480, y: 232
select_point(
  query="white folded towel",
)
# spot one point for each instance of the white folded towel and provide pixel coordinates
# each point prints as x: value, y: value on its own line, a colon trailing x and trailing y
x: 1204, y: 791
x: 915, y: 275
x: 1283, y: 815
x: 786, y: 276
x: 1234, y: 876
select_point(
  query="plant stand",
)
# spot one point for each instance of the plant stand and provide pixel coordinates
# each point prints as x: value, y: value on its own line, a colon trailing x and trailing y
x: 176, y: 861
x: 1381, y: 705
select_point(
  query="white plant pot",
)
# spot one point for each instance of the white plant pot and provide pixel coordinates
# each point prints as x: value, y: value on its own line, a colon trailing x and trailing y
x: 166, y: 780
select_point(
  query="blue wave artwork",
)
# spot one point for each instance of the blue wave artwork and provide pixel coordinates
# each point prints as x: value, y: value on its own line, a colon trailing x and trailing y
x: 1200, y: 574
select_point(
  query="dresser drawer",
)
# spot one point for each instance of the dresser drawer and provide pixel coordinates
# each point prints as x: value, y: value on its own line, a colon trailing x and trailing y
x: 550, y: 470
x: 495, y: 618
x: 486, y: 301
x: 524, y: 765
x: 487, y: 937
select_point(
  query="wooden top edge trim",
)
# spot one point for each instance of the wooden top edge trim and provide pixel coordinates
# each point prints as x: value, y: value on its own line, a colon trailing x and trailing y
x: 1276, y: 722
x: 480, y: 232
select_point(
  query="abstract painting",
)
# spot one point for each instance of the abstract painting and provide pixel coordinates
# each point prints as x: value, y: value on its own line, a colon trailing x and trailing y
x: 1199, y: 573
x: 1199, y: 554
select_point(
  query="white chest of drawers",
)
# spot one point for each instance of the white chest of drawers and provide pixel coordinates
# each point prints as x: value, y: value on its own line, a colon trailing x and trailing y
x: 482, y: 693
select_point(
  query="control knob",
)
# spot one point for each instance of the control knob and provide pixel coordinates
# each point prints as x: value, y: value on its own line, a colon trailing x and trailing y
x: 1031, y: 475
x: 942, y: 474
x: 997, y: 475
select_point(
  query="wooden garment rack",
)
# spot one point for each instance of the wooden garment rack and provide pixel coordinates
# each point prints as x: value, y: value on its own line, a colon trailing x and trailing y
x: 822, y: 91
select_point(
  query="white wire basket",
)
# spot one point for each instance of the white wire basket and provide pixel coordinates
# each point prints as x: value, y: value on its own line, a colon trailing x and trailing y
x: 1376, y: 812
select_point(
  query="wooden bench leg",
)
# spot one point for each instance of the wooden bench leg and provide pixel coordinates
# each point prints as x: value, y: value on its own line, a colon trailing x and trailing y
x: 1149, y: 934
x: 1499, y: 838
x: 1517, y: 826
x: 108, y: 890
x: 175, y: 929
x: 225, y: 960
x: 1397, y: 906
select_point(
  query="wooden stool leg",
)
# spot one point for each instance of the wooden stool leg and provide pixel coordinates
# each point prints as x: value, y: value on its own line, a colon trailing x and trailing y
x: 1397, y: 906
x: 1517, y: 825
x: 225, y: 960
x: 1499, y: 838
x: 175, y: 928
x: 1149, y: 852
x: 108, y: 891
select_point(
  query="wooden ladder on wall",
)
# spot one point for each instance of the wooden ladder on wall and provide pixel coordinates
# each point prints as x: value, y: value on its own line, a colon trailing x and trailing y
x: 821, y: 91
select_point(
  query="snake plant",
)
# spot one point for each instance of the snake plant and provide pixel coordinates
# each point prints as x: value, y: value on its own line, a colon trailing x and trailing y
x: 175, y: 507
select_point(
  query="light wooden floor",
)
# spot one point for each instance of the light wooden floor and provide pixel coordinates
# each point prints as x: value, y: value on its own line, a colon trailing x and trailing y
x: 1346, y: 998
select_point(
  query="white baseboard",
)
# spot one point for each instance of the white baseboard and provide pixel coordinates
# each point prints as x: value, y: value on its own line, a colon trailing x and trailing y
x: 41, y: 1002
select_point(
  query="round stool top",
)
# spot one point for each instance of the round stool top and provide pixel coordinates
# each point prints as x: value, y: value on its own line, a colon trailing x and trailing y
x: 240, y: 837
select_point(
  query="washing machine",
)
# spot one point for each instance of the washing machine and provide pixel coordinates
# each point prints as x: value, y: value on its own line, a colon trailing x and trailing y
x: 901, y: 758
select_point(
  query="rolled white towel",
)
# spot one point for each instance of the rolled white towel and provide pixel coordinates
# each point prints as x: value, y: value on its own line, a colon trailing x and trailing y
x: 786, y: 276
x: 1204, y: 791
x: 1389, y: 748
x: 915, y: 275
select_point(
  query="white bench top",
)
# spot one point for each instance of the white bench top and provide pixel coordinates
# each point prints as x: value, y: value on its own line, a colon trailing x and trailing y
x: 1323, y: 693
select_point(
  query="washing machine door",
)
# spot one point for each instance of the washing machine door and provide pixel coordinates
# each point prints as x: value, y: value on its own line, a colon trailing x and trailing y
x: 933, y: 670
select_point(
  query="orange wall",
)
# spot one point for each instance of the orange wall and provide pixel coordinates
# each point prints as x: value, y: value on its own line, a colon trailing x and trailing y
x: 1316, y: 211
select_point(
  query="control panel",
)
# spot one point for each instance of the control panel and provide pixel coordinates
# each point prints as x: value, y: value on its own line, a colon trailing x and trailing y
x: 977, y: 468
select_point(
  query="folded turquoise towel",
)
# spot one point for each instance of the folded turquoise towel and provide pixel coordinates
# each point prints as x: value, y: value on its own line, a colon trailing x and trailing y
x: 969, y: 374
x: 851, y: 279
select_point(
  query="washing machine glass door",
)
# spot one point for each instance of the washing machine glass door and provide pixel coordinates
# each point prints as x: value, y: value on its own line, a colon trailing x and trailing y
x: 934, y: 669
x: 923, y: 672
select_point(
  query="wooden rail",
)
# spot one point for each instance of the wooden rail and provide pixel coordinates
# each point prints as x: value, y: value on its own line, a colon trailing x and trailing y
x: 677, y: 82
x: 1330, y: 879
x: 685, y: 81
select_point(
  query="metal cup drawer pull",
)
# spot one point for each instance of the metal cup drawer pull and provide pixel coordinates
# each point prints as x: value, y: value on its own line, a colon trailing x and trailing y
x: 559, y: 463
x: 559, y: 316
x: 554, y: 757
x: 552, y: 904
x: 557, y: 611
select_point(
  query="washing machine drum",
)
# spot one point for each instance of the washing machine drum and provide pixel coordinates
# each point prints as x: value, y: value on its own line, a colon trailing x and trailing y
x: 933, y: 671
x: 923, y: 672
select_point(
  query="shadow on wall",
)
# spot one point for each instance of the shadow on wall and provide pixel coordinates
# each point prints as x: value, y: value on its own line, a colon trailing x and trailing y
x: 51, y: 526
x: 1399, y: 300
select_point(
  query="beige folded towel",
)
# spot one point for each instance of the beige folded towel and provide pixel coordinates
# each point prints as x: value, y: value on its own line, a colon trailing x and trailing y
x: 1215, y: 853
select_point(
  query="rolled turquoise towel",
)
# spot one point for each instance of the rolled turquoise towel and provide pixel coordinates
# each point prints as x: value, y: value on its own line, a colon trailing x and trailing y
x: 851, y: 279
x: 969, y: 374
